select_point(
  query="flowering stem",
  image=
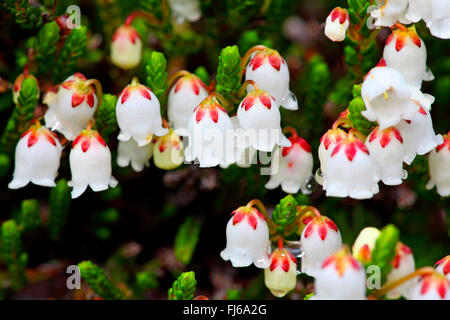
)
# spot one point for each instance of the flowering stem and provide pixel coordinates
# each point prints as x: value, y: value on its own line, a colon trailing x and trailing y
x: 280, y: 243
x: 341, y: 121
x: 262, y: 209
x: 98, y: 89
x: 304, y: 210
x: 393, y: 284
x: 290, y: 130
x: 247, y: 56
x: 354, y: 132
x: 400, y: 26
x: 151, y: 18
x: 224, y: 102
x: 175, y: 76
x: 245, y: 85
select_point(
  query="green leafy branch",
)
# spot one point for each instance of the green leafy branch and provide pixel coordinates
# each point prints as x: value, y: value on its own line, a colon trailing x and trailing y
x: 228, y: 79
x: 25, y: 16
x: 59, y: 202
x: 355, y: 107
x: 184, y: 287
x: 186, y: 239
x: 105, y: 121
x: 45, y: 46
x: 157, y: 75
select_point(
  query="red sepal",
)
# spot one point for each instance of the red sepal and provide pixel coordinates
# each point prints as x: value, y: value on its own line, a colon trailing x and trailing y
x: 32, y: 138
x: 77, y: 99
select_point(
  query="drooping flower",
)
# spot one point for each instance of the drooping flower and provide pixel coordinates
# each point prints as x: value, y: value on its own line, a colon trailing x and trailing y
x: 350, y: 171
x: 138, y: 114
x: 37, y: 157
x: 337, y: 24
x: 389, y: 12
x: 341, y: 277
x: 365, y: 243
x: 184, y: 96
x: 292, y: 166
x: 90, y: 163
x: 183, y: 10
x: 435, y: 13
x: 247, y: 239
x: 439, y: 164
x: 327, y: 143
x: 387, y: 150
x: 406, y: 52
x: 128, y: 152
x: 443, y: 266
x: 72, y: 107
x: 402, y: 265
x: 387, y: 97
x: 207, y: 132
x: 418, y: 134
x: 319, y: 239
x: 270, y: 72
x: 260, y: 122
x: 126, y: 47
x: 281, y: 276
x: 433, y: 286
x: 18, y: 85
x: 168, y: 151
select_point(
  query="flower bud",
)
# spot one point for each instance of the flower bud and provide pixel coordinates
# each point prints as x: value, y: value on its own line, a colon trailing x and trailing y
x: 439, y: 162
x: 72, y: 107
x: 319, y: 239
x: 168, y: 151
x: 387, y: 97
x: 184, y: 96
x: 419, y: 135
x: 90, y: 163
x: 341, y: 277
x: 389, y: 12
x: 270, y: 72
x: 128, y: 152
x: 138, y: 114
x: 365, y: 243
x: 443, y: 266
x: 18, y: 85
x: 433, y: 286
x: 260, y: 122
x: 247, y: 239
x: 327, y: 143
x: 37, y: 157
x: 402, y: 265
x: 350, y: 171
x: 183, y: 10
x: 337, y: 24
x: 208, y: 130
x: 281, y: 276
x: 126, y: 47
x: 387, y: 150
x: 292, y: 167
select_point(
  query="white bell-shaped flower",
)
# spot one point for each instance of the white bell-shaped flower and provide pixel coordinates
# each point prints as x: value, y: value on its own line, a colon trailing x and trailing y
x: 72, y: 107
x: 365, y: 243
x: 138, y: 114
x: 418, y: 134
x: 168, y: 151
x: 281, y: 276
x: 351, y: 171
x: 402, y: 265
x: 128, y: 152
x: 443, y: 267
x: 389, y: 12
x: 341, y: 277
x: 433, y: 286
x: 387, y: 150
x: 18, y: 85
x: 406, y: 52
x: 260, y: 122
x: 184, y: 96
x: 247, y: 239
x: 439, y: 164
x: 126, y: 47
x: 327, y: 142
x: 319, y: 239
x: 387, y: 97
x: 337, y: 24
x: 292, y: 166
x: 185, y: 10
x: 211, y: 135
x: 270, y: 72
x: 435, y: 13
x: 37, y: 157
x: 90, y: 164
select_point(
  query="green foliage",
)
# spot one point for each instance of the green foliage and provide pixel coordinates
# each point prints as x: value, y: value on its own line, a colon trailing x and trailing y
x: 202, y: 73
x: 12, y: 253
x: 153, y: 6
x: 5, y: 164
x: 146, y: 280
x: 73, y: 49
x: 355, y: 107
x: 99, y: 282
x: 157, y: 75
x: 186, y: 239
x: 29, y: 217
x: 25, y: 16
x: 184, y: 287
x: 228, y: 81
x: 285, y: 212
x: 384, y: 250
x: 105, y: 120
x: 45, y: 46
x: 59, y: 202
